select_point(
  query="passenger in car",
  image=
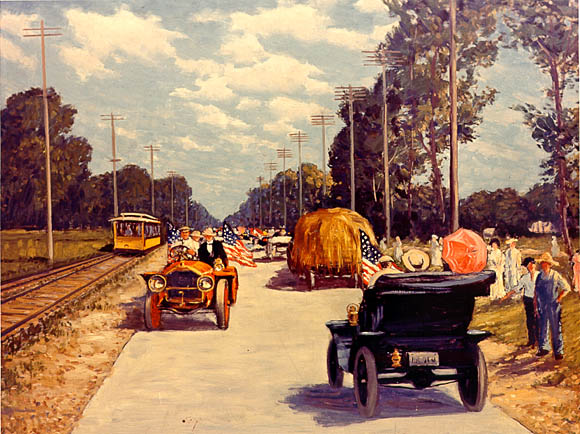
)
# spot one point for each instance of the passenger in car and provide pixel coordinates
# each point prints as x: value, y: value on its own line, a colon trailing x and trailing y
x: 212, y: 249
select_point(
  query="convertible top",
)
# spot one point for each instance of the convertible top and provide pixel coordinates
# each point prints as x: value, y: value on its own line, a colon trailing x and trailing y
x: 474, y: 284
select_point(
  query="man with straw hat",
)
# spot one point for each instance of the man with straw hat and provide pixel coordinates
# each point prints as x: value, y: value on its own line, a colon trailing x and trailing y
x: 551, y: 288
x: 212, y: 249
x: 192, y: 243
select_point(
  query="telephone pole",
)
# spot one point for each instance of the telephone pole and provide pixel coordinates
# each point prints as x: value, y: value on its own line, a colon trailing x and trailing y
x: 112, y: 117
x: 299, y: 137
x: 260, y: 178
x: 453, y: 169
x: 283, y: 154
x: 172, y: 173
x: 323, y: 121
x: 187, y: 211
x: 271, y: 166
x: 42, y: 35
x: 387, y: 59
x: 151, y: 149
x: 349, y: 94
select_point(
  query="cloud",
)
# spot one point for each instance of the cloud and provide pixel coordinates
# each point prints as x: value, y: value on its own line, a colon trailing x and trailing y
x: 248, y: 104
x: 278, y: 73
x: 13, y: 53
x: 84, y: 63
x: 209, y: 16
x: 249, y: 142
x: 214, y: 116
x: 292, y: 109
x: 202, y: 67
x: 243, y: 49
x: 128, y: 36
x: 15, y: 23
x: 379, y: 32
x: 130, y: 134
x: 214, y: 88
x: 371, y: 6
x: 188, y: 144
x: 279, y: 127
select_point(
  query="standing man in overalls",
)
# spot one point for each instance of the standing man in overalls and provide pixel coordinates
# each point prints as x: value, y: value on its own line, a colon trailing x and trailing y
x: 551, y: 288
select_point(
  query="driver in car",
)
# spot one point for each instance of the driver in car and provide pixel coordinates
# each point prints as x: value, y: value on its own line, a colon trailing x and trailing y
x: 191, y: 242
x: 212, y: 249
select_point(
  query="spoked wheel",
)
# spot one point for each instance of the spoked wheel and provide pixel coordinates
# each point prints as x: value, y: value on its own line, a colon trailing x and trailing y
x: 222, y: 305
x: 335, y: 373
x: 366, y: 382
x: 473, y: 385
x: 151, y: 312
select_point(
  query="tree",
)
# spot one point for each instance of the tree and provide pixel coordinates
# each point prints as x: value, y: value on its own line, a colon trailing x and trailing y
x: 24, y: 167
x: 549, y: 32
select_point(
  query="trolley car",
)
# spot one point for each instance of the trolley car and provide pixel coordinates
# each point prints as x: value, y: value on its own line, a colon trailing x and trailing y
x: 135, y: 233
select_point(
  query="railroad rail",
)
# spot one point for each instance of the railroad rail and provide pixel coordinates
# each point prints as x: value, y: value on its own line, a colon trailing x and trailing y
x: 28, y: 300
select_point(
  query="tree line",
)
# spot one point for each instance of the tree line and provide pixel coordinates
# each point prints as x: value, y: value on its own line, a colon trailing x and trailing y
x: 418, y: 119
x: 80, y: 199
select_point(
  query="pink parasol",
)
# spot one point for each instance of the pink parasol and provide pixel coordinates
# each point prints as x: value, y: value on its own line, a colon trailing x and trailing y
x: 464, y: 251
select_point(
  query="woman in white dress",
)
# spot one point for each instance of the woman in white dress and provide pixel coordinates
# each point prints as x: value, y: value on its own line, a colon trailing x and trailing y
x: 435, y: 252
x: 398, y: 249
x: 555, y: 247
x: 513, y: 264
x: 495, y: 262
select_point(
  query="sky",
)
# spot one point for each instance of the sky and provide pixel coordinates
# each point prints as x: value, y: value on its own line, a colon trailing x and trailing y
x: 219, y: 85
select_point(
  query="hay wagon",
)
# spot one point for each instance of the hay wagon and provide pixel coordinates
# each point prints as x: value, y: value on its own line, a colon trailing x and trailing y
x: 326, y: 244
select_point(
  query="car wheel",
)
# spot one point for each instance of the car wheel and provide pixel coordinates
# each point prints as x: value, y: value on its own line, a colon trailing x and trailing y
x: 335, y: 373
x: 473, y: 384
x: 366, y: 382
x: 151, y: 312
x: 222, y: 305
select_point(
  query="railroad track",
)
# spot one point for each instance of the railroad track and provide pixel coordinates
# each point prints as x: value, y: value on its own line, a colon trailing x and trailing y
x: 27, y: 300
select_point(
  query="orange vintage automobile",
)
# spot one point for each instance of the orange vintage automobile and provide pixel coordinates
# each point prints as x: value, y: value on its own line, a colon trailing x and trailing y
x: 186, y: 285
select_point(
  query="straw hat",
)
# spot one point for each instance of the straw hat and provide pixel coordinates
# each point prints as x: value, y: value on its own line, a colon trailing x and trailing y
x: 184, y: 229
x: 416, y: 260
x: 208, y: 232
x: 196, y: 234
x: 386, y: 259
x: 511, y: 240
x: 546, y: 257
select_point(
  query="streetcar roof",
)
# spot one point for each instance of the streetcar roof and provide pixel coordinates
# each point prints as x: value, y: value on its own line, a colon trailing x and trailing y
x: 135, y: 217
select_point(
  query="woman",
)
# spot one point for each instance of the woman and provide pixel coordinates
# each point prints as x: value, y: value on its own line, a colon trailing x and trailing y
x: 495, y: 262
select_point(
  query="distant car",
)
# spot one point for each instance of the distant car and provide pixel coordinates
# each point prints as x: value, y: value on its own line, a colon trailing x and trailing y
x: 276, y: 245
x: 412, y: 328
x: 186, y: 285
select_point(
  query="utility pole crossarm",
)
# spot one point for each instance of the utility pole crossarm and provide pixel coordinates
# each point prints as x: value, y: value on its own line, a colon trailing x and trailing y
x: 323, y: 121
x: 112, y: 117
x: 271, y: 166
x: 151, y: 149
x: 284, y: 154
x: 299, y: 137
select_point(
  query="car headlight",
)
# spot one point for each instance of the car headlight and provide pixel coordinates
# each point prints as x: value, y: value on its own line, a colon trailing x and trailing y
x: 218, y: 265
x: 157, y: 283
x: 205, y: 283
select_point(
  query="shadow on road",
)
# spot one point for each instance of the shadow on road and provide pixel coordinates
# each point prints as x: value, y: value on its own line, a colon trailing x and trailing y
x: 337, y: 407
x: 285, y: 280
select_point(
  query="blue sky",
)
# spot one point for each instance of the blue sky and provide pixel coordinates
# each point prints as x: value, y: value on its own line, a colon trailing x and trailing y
x: 220, y: 84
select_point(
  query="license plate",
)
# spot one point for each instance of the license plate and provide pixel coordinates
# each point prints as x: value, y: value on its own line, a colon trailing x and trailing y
x: 423, y: 359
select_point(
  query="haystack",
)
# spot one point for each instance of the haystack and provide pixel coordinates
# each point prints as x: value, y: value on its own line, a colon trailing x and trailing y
x: 328, y: 241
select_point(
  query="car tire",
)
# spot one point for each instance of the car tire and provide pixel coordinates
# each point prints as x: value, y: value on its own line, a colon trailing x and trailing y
x: 151, y: 313
x: 222, y: 305
x: 473, y: 384
x: 366, y: 382
x: 333, y: 369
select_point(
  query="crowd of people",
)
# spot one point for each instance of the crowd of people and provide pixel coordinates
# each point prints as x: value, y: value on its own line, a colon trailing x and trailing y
x: 206, y: 249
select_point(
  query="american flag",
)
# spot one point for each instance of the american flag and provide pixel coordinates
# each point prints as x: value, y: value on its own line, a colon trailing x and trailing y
x: 172, y: 234
x: 370, y: 258
x: 235, y: 249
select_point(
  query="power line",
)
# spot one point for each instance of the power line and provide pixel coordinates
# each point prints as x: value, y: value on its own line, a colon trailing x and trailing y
x: 349, y: 94
x: 42, y: 35
x: 387, y: 59
x: 112, y: 117
x: 271, y: 166
x: 284, y: 154
x: 299, y: 137
x: 151, y: 149
x: 323, y: 121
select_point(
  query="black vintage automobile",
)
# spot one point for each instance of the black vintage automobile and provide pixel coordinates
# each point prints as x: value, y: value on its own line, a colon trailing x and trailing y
x: 412, y: 328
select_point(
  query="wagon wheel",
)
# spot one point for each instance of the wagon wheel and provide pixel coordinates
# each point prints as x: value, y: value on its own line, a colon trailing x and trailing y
x: 222, y: 306
x: 310, y: 280
x: 366, y: 383
x: 151, y: 311
x: 473, y: 384
x: 335, y: 373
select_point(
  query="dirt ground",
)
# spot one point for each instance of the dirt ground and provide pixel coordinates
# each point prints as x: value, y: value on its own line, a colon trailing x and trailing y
x: 46, y: 386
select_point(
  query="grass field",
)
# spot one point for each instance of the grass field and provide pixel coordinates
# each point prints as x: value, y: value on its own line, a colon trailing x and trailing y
x: 25, y: 252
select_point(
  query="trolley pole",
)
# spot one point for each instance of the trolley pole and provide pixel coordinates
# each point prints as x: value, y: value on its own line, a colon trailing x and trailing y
x: 323, y: 121
x: 114, y: 118
x: 42, y: 35
x: 349, y: 94
x: 271, y: 166
x: 283, y: 154
x: 299, y: 137
x: 172, y: 173
x: 151, y: 149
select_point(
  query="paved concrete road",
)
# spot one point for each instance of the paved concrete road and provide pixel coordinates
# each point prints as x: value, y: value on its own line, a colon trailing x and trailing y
x: 265, y: 374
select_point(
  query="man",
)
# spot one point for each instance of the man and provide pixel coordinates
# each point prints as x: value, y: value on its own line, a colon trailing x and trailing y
x: 551, y: 288
x: 185, y: 240
x: 528, y: 284
x: 212, y: 249
x: 513, y: 263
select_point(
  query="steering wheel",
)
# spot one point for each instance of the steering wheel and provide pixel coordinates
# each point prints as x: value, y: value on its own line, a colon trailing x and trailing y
x: 180, y: 253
